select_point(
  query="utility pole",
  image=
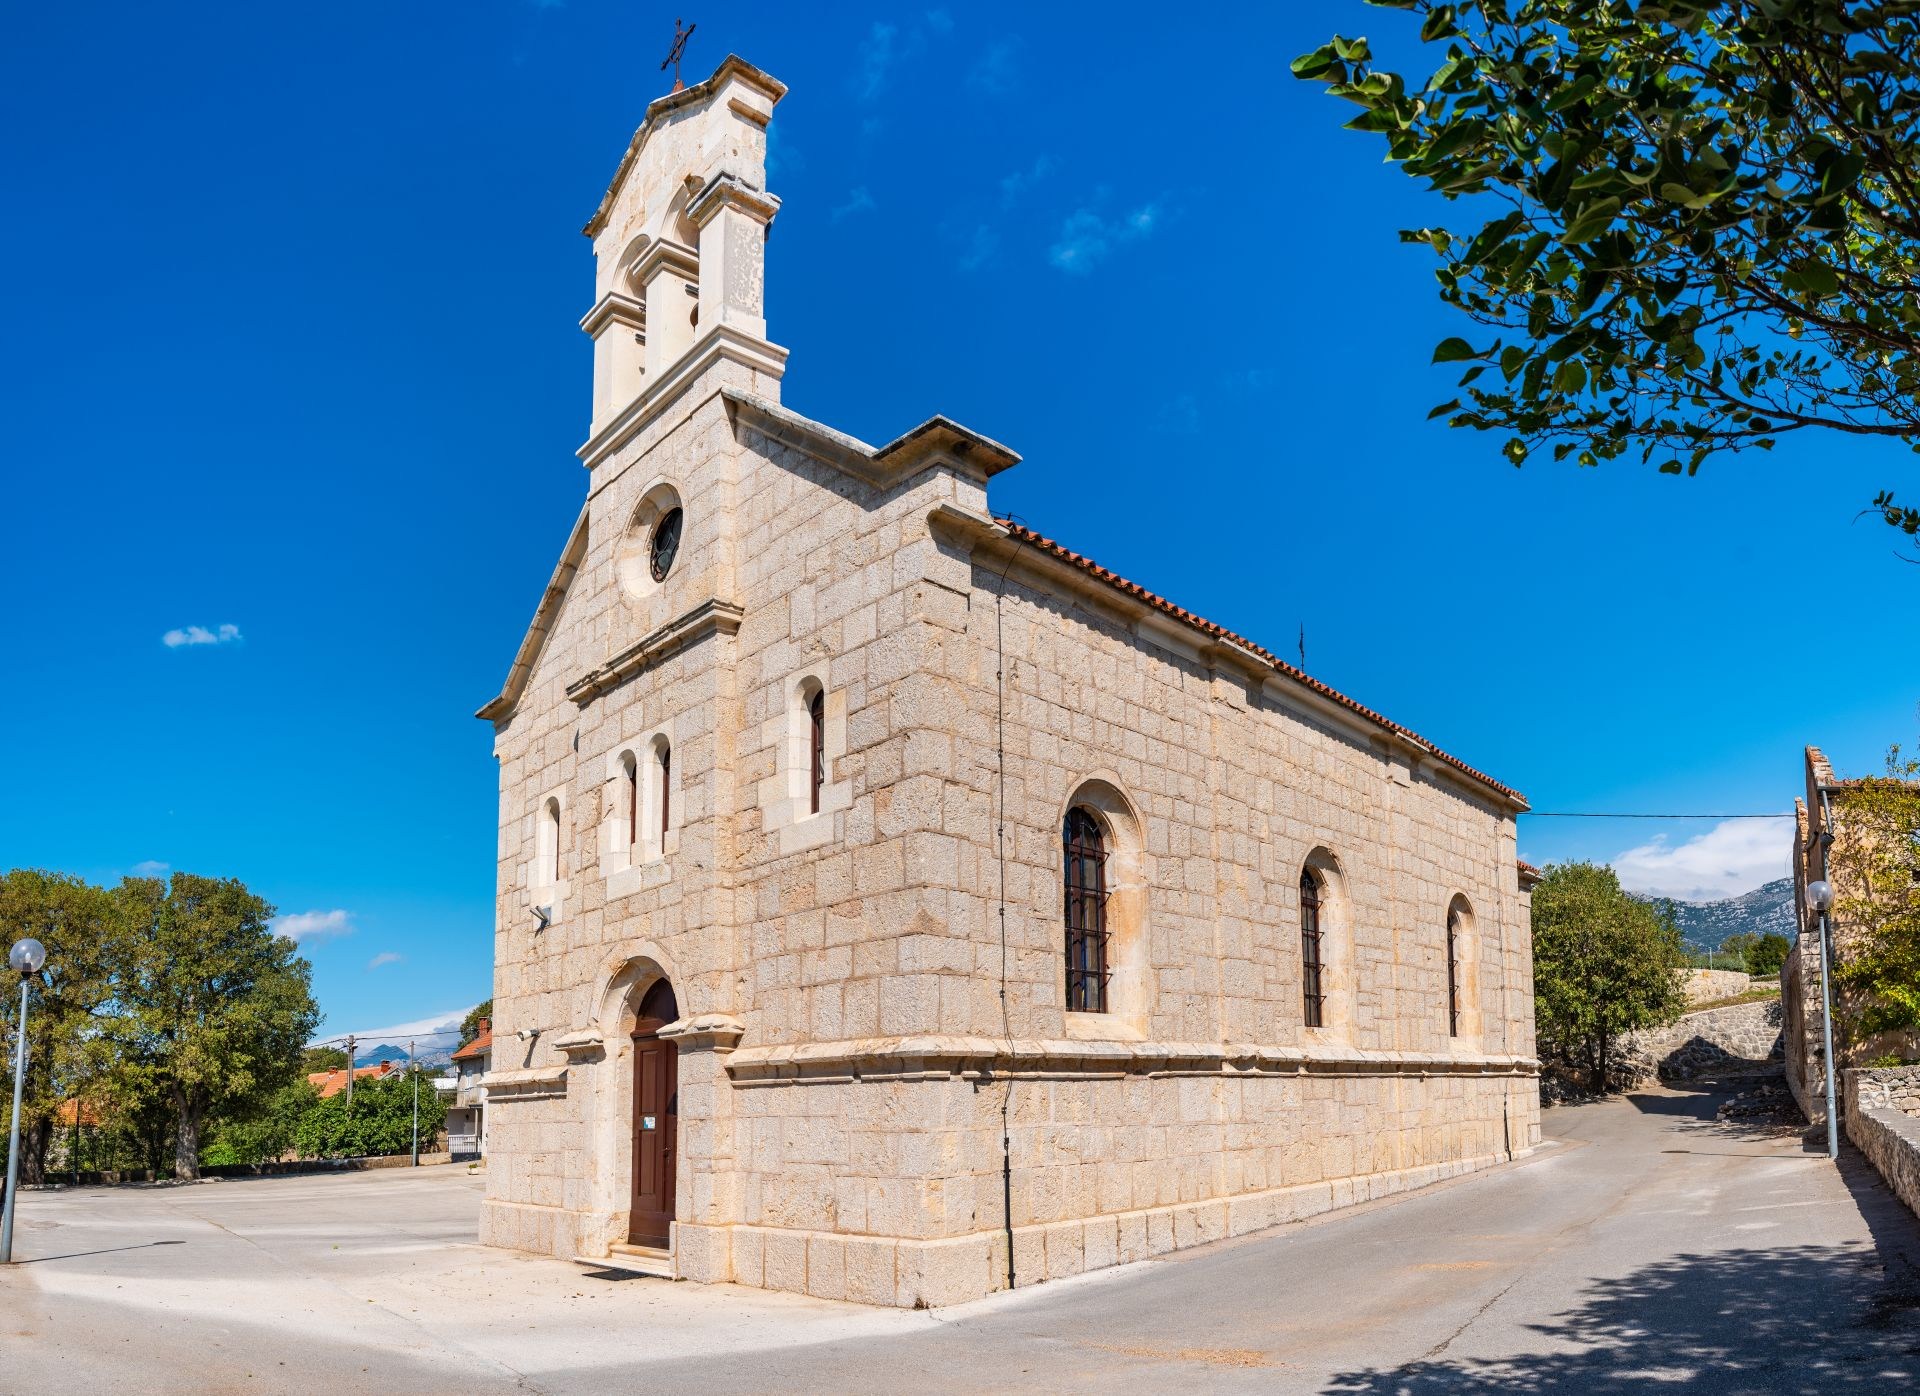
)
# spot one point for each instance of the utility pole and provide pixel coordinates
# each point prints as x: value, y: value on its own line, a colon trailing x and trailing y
x: 349, y: 1073
x: 414, y: 1071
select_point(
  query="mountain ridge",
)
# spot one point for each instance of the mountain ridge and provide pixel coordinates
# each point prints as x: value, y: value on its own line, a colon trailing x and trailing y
x: 1706, y: 925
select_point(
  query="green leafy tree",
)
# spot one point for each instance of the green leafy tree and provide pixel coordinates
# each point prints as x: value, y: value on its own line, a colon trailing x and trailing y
x: 379, y: 1120
x: 470, y: 1025
x: 1604, y: 963
x: 266, y: 1134
x: 1694, y: 224
x: 1762, y: 955
x: 214, y: 1008
x: 1875, y: 870
x: 67, y: 1057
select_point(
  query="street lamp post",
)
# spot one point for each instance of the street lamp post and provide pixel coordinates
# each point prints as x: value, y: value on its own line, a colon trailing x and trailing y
x: 1820, y: 901
x: 25, y: 959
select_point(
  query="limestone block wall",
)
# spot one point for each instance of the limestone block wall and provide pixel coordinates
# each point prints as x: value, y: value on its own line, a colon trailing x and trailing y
x: 886, y: 1186
x: 1882, y: 1111
x: 847, y: 1146
x: 1701, y: 1043
x: 1705, y: 985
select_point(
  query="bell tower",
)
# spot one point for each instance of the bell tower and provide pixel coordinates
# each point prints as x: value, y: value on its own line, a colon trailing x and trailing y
x: 679, y: 245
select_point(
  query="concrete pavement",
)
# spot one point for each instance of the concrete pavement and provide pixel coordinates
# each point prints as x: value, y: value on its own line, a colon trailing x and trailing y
x: 1650, y: 1246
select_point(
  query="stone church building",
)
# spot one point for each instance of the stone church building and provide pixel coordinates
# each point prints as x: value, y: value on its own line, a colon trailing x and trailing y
x: 895, y: 905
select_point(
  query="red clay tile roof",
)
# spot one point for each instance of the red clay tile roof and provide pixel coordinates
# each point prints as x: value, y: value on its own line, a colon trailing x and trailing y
x: 331, y: 1083
x: 87, y: 1110
x: 1160, y: 603
x: 482, y: 1043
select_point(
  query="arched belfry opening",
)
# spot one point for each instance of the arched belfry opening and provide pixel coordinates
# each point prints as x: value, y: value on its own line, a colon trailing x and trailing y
x: 656, y: 1113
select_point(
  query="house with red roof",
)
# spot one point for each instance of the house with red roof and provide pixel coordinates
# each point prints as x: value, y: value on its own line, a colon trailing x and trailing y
x: 331, y: 1083
x: 467, y: 1114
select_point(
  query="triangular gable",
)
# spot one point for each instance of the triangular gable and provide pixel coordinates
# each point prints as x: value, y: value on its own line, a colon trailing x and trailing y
x: 543, y: 616
x: 661, y: 108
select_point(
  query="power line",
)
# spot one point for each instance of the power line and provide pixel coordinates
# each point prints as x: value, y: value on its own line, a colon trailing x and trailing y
x: 1610, y: 814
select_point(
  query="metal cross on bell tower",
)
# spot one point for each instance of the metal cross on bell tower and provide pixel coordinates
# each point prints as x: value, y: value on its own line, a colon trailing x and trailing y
x: 680, y: 37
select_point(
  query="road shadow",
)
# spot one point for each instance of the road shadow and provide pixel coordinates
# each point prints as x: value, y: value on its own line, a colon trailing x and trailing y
x: 1698, y: 1102
x: 104, y: 1250
x: 1796, y: 1319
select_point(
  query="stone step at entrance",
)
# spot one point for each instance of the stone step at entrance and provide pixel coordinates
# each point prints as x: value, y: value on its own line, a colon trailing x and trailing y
x: 635, y: 1260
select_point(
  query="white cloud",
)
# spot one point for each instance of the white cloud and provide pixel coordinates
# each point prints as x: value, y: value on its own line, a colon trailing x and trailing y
x: 858, y: 201
x: 200, y: 635
x: 1735, y: 856
x: 385, y: 957
x: 997, y: 71
x: 1087, y: 237
x: 1014, y: 185
x: 980, y: 248
x: 877, y: 57
x: 150, y: 868
x: 314, y: 925
x: 440, y: 1027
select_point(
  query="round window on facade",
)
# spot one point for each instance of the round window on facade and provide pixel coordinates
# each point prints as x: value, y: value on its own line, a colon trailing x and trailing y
x: 666, y: 543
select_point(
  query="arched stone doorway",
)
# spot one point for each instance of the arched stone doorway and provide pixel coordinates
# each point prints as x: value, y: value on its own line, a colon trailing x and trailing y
x: 656, y: 1108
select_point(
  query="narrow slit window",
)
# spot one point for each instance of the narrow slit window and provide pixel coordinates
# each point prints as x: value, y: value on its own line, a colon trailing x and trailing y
x: 632, y: 764
x: 1086, y: 912
x: 1313, y: 997
x: 817, y: 738
x: 1453, y: 972
x: 553, y: 841
x: 666, y: 793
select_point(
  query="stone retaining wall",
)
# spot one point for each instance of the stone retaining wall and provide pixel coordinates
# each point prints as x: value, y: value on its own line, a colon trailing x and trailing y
x: 1895, y: 1088
x: 1882, y: 1110
x: 1743, y: 1034
x: 1706, y: 985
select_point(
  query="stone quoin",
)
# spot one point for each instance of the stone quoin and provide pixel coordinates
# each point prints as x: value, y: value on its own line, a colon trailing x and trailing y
x: 792, y: 759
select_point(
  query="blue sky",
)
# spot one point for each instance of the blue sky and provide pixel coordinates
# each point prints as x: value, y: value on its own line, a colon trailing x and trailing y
x: 293, y: 351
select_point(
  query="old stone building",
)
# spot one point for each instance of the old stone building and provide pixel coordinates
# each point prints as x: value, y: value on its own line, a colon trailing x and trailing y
x: 894, y: 904
x: 1843, y: 836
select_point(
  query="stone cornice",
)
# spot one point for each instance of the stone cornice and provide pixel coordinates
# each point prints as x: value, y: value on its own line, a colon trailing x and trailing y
x: 709, y: 617
x: 944, y: 1055
x: 722, y: 342
x: 614, y: 307
x: 880, y: 466
x: 728, y: 190
x: 721, y: 1030
x: 665, y: 254
x: 528, y: 1082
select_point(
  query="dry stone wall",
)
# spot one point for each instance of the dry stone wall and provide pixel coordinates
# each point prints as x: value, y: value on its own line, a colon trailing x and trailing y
x: 1882, y: 1107
x: 1699, y: 1044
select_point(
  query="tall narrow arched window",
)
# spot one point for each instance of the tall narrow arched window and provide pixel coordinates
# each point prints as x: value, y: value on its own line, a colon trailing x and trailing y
x: 1453, y: 970
x: 1313, y: 996
x: 817, y: 739
x: 666, y: 792
x: 632, y: 765
x: 1086, y: 912
x: 551, y: 816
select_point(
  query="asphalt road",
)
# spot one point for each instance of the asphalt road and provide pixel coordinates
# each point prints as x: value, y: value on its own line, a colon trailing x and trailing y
x: 1650, y: 1248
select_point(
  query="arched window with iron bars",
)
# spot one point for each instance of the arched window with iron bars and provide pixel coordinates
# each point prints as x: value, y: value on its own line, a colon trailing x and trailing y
x: 1085, y: 882
x: 1453, y: 971
x: 1313, y: 995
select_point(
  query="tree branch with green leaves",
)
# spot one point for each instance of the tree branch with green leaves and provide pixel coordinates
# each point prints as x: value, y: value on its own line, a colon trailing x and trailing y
x: 1705, y: 218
